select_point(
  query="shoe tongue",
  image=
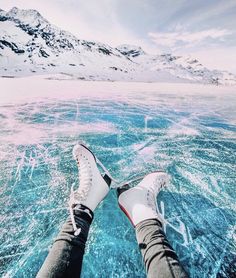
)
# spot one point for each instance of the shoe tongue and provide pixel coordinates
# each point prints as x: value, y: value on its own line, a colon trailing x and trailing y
x: 107, y: 180
x: 122, y: 189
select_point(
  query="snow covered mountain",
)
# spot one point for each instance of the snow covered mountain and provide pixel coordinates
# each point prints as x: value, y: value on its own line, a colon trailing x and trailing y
x: 29, y: 45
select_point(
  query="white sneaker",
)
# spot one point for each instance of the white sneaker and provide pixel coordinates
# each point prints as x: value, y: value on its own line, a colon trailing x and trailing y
x: 139, y: 202
x: 92, y: 186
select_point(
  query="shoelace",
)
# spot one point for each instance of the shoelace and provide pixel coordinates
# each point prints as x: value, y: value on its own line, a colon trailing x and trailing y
x: 115, y: 181
x: 79, y: 195
x: 106, y: 171
x: 151, y: 200
x: 152, y: 191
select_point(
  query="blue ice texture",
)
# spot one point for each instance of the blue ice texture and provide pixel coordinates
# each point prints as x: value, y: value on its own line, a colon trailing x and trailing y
x: 191, y: 136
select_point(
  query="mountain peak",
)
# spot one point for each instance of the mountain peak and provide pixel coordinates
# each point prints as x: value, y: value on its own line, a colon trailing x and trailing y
x: 29, y: 16
x: 130, y: 50
x: 2, y: 12
x: 13, y: 10
x: 16, y: 11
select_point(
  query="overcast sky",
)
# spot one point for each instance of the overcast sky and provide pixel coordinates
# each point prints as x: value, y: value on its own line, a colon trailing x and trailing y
x: 206, y: 29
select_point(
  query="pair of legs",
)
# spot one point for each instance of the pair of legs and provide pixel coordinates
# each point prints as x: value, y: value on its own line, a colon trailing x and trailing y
x: 138, y: 203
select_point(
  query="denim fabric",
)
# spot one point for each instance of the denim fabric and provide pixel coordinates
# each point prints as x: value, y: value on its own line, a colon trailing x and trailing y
x: 66, y: 255
x: 159, y: 258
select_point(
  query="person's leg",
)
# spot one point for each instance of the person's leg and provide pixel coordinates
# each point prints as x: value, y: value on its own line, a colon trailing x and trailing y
x: 159, y: 258
x: 66, y: 255
x: 139, y: 205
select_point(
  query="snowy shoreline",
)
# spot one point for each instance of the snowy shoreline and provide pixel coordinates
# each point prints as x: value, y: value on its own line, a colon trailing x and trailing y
x: 20, y: 89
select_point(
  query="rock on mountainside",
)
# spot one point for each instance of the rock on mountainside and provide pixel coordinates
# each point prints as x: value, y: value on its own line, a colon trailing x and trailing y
x: 29, y: 45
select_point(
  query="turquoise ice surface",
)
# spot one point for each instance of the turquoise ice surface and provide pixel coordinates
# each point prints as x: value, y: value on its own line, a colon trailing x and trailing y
x: 192, y: 137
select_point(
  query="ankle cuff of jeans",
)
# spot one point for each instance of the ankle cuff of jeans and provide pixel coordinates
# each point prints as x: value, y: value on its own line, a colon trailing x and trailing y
x: 147, y: 222
x: 84, y: 213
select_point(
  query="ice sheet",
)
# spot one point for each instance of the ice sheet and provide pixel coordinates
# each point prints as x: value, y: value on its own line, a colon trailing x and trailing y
x: 189, y: 132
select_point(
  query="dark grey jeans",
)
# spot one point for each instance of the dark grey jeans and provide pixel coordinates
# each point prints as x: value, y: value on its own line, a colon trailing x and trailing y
x: 66, y: 255
x: 159, y: 258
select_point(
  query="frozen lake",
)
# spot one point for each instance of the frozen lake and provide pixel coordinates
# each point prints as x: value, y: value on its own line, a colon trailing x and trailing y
x: 133, y: 128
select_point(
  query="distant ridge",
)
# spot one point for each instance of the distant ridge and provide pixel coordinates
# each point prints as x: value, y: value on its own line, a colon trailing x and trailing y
x: 30, y: 45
